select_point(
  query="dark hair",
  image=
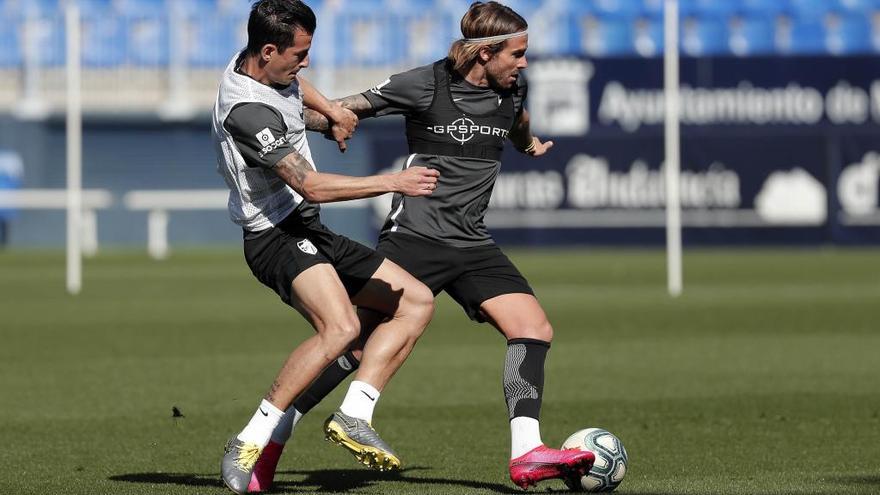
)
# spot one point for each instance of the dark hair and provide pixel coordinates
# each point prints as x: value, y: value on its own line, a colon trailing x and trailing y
x: 274, y: 21
x: 484, y: 19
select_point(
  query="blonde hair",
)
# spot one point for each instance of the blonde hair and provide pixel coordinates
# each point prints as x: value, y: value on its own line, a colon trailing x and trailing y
x: 483, y: 20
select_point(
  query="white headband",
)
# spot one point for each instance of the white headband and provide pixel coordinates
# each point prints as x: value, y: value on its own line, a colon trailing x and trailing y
x: 496, y: 39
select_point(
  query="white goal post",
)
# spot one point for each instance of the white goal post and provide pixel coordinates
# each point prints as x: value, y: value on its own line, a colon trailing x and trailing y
x: 74, y: 149
x: 673, y: 149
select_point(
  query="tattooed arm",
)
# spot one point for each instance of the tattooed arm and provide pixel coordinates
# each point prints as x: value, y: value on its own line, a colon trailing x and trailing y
x: 325, y: 116
x: 317, y: 187
x: 357, y: 104
x: 315, y: 121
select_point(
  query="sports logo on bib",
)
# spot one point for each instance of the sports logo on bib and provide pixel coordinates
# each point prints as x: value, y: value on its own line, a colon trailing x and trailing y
x: 307, y: 247
x: 464, y: 129
x: 265, y: 137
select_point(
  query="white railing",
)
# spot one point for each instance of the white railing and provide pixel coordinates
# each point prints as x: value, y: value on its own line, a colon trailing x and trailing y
x: 56, y: 199
x: 158, y: 204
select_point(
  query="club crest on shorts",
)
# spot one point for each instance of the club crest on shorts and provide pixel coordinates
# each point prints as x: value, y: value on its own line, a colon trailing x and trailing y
x: 307, y: 247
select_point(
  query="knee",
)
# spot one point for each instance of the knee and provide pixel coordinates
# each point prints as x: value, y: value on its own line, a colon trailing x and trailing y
x: 340, y: 335
x: 420, y: 304
x: 539, y: 331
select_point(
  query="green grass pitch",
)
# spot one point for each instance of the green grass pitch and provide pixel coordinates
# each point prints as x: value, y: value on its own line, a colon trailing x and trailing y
x: 763, y: 378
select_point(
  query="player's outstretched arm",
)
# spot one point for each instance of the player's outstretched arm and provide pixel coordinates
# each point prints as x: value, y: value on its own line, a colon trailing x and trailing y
x: 523, y: 140
x: 328, y: 117
x: 317, y: 187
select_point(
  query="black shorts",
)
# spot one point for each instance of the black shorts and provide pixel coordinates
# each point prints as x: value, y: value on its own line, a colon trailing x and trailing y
x: 278, y: 255
x: 469, y: 275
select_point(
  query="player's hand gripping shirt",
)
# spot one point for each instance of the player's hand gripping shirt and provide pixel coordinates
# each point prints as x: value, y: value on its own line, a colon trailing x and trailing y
x: 254, y: 126
x: 459, y: 129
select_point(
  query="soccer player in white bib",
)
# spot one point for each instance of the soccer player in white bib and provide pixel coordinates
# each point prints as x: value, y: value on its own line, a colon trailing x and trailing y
x: 259, y: 124
x: 459, y: 112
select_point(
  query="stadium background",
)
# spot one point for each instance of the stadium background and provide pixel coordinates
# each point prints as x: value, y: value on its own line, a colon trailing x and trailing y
x: 781, y: 104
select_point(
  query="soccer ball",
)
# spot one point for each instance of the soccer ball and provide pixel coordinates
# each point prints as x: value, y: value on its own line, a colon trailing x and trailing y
x: 610, y: 466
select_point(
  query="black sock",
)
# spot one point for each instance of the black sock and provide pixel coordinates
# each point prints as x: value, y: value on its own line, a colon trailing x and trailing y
x: 524, y: 376
x: 329, y: 379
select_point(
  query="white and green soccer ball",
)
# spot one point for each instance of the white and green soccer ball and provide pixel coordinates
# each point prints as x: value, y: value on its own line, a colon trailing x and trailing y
x: 610, y: 466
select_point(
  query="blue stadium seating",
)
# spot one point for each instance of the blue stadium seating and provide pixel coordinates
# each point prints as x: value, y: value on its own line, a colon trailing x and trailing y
x: 848, y: 34
x: 652, y: 8
x: 859, y: 6
x: 602, y: 36
x: 614, y: 8
x: 48, y: 35
x: 10, y: 43
x: 214, y: 40
x: 235, y: 7
x: 811, y: 9
x: 648, y: 36
x: 753, y: 35
x: 147, y: 40
x: 425, y: 37
x: 142, y: 8
x: 35, y: 7
x: 709, y: 8
x: 205, y: 9
x: 702, y: 36
x: 95, y: 8
x: 807, y: 36
x: 103, y: 41
x: 411, y: 6
x: 365, y: 39
x: 363, y: 7
x: 763, y: 8
x: 402, y: 32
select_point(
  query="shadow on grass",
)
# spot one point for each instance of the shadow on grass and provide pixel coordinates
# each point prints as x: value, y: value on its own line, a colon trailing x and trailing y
x: 858, y: 484
x: 319, y: 481
x: 186, y: 479
x: 854, y: 479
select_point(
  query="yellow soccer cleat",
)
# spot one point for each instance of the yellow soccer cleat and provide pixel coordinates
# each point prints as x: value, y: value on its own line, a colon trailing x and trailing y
x: 358, y: 437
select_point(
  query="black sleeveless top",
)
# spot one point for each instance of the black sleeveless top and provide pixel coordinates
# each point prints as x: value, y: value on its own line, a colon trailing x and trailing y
x: 464, y: 147
x: 444, y: 129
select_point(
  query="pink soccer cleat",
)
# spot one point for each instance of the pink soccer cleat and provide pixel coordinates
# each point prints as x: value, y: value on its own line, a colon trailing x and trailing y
x: 543, y: 463
x: 264, y: 469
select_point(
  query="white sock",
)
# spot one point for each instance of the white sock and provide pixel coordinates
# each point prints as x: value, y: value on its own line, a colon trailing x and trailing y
x: 281, y: 433
x: 525, y: 435
x: 360, y: 401
x: 260, y: 427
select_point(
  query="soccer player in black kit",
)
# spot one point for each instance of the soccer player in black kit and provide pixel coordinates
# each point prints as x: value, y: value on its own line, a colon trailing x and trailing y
x: 459, y: 111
